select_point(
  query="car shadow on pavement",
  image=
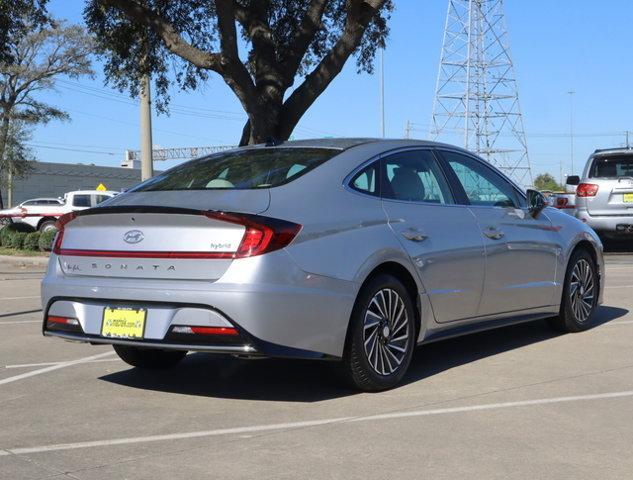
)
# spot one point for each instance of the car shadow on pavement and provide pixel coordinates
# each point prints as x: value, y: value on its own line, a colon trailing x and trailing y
x: 436, y: 357
x: 209, y: 375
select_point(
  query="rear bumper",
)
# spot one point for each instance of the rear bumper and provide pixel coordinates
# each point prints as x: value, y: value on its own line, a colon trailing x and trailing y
x: 612, y: 225
x: 283, y: 312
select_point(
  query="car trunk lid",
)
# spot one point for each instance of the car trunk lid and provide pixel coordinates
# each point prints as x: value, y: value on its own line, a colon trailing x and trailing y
x: 614, y: 197
x: 148, y: 243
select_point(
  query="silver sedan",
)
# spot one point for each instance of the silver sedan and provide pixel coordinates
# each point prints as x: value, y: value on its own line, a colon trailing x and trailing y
x: 350, y: 250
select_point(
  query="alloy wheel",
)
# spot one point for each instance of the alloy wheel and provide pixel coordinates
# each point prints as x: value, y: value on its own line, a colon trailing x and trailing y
x: 582, y: 290
x: 386, y: 332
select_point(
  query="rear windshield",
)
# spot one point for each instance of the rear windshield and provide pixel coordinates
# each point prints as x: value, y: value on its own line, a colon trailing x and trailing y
x: 240, y: 169
x: 612, y: 167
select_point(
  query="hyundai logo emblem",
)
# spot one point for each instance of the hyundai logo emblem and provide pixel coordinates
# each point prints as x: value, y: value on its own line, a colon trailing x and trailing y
x: 133, y: 236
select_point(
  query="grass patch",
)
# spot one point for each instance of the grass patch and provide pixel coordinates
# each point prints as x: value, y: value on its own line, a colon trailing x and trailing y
x: 14, y: 252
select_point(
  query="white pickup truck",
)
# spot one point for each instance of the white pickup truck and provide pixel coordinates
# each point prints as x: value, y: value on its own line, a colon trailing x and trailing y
x: 43, y: 215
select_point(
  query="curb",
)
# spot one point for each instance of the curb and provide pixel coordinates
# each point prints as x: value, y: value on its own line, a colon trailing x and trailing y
x: 23, y: 262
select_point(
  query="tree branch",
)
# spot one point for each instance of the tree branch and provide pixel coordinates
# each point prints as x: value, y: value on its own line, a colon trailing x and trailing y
x: 303, y: 37
x: 234, y: 72
x: 360, y: 14
x: 173, y: 41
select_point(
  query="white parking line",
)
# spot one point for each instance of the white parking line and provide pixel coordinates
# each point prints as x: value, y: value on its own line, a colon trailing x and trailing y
x: 618, y: 286
x: 623, y: 322
x: 310, y: 423
x: 20, y: 321
x: 20, y: 298
x: 41, y: 371
x: 45, y: 364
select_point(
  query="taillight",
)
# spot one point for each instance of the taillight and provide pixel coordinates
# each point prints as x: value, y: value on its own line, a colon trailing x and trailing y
x: 561, y: 202
x: 587, y: 190
x: 62, y: 320
x: 59, y: 225
x: 191, y: 330
x: 261, y: 234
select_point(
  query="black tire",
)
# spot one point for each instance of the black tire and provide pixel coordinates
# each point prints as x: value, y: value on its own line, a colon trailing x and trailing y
x: 47, y: 225
x: 358, y: 364
x: 571, y: 319
x: 150, y: 358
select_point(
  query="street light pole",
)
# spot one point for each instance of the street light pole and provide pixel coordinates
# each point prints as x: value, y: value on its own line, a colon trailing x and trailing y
x: 571, y: 129
x: 382, y: 92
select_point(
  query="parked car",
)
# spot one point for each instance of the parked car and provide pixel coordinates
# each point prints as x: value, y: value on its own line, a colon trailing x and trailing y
x: 350, y: 250
x: 565, y: 202
x: 42, y: 213
x: 604, y: 193
x: 7, y: 215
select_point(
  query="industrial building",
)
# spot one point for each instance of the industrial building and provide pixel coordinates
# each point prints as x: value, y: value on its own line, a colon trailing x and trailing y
x: 55, y: 179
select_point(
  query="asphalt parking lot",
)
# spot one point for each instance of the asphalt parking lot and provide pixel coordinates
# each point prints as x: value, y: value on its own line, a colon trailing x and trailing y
x: 519, y: 402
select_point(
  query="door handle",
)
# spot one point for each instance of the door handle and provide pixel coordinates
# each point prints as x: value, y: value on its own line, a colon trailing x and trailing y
x: 414, y: 235
x: 494, y: 233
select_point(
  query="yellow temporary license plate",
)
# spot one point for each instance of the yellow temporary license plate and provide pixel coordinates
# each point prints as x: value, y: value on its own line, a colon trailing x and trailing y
x: 628, y: 198
x: 123, y: 322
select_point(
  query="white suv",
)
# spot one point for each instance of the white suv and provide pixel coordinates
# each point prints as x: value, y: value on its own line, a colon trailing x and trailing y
x: 43, y: 215
x: 604, y: 195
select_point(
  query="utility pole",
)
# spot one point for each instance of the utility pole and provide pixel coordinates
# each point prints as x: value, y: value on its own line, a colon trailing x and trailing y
x: 628, y: 145
x: 571, y: 129
x: 382, y: 92
x: 407, y: 130
x: 9, y: 187
x: 147, y: 163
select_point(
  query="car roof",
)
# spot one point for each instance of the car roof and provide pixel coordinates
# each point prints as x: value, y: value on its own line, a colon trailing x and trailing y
x: 40, y: 199
x: 347, y: 143
x: 91, y: 192
x: 618, y: 150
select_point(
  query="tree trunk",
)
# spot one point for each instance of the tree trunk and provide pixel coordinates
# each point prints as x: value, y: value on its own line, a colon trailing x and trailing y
x: 263, y: 125
x: 4, y: 135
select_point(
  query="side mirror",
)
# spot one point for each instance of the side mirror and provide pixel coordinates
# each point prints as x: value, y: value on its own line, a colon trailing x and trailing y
x: 536, y: 202
x: 573, y: 180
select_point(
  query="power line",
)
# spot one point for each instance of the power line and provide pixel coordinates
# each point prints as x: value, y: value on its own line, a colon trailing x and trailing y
x: 71, y: 149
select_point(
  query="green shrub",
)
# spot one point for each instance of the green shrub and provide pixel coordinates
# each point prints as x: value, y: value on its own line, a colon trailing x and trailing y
x: 46, y: 240
x: 32, y: 241
x: 16, y: 240
x: 14, y: 233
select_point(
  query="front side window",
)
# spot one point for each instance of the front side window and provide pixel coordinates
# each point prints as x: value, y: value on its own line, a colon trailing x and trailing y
x: 483, y: 186
x: 81, y: 201
x: 240, y: 169
x: 613, y: 166
x: 101, y: 198
x: 414, y: 176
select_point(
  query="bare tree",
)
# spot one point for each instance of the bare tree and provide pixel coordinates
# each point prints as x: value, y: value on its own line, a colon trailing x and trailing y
x: 38, y: 58
x: 285, y: 39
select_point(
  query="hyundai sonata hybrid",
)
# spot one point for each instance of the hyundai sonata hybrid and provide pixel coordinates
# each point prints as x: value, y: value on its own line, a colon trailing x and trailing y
x: 351, y: 250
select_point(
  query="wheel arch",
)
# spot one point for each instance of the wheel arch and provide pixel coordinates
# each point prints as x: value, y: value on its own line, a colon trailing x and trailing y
x: 45, y: 219
x: 402, y: 273
x: 594, y: 252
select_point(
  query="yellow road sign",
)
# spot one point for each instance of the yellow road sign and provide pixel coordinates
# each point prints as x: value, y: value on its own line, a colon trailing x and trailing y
x: 101, y: 187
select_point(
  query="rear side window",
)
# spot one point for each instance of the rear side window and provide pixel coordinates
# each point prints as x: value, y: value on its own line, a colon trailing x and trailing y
x: 414, y: 176
x: 81, y: 201
x: 612, y: 167
x: 367, y: 180
x: 241, y: 170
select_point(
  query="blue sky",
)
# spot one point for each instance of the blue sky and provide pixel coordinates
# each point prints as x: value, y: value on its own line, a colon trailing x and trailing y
x: 557, y: 46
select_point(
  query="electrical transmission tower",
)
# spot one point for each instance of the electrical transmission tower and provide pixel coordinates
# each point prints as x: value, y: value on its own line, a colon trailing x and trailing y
x: 477, y: 100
